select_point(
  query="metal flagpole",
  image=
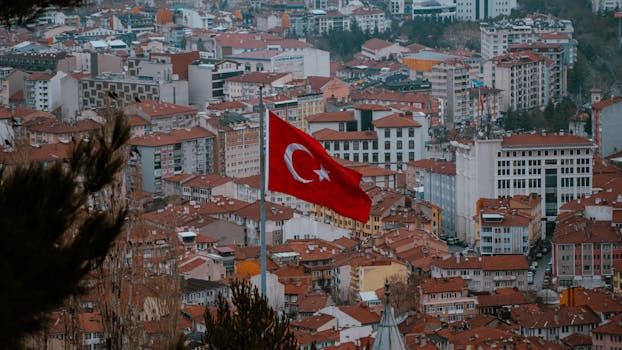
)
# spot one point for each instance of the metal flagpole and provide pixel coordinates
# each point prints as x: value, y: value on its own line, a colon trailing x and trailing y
x: 262, y: 186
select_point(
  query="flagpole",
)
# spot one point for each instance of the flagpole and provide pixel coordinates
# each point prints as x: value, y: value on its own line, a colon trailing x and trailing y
x: 262, y: 191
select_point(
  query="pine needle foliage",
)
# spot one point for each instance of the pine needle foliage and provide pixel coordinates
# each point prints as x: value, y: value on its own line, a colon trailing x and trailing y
x: 54, y: 229
x: 25, y: 12
x: 248, y: 323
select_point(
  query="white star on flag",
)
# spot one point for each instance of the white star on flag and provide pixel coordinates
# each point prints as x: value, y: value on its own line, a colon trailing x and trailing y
x: 322, y: 173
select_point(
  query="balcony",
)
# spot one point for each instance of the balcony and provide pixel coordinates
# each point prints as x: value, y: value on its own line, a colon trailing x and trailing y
x: 504, y: 278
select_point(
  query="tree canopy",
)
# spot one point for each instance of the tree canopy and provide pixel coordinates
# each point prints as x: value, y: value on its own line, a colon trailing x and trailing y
x: 57, y: 223
x: 247, y: 323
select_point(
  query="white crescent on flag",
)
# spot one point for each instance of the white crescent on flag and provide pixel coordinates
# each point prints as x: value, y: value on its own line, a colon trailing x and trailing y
x: 288, y: 156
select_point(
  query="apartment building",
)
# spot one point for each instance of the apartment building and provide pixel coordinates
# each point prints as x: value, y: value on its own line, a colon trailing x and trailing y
x: 485, y: 273
x: 606, y: 125
x: 585, y: 251
x: 475, y: 10
x: 376, y: 135
x: 508, y: 225
x: 206, y: 80
x: 524, y: 79
x: 554, y: 323
x: 237, y: 145
x: 164, y: 117
x: 325, y: 22
x: 371, y: 20
x: 496, y: 37
x: 43, y: 91
x: 246, y: 86
x: 558, y: 80
x: 608, y: 336
x: 162, y: 155
x: 40, y: 131
x: 443, y: 10
x: 484, y: 104
x: 94, y: 90
x: 302, y: 63
x: 438, y: 179
x: 198, y: 188
x: 295, y: 108
x: 248, y: 190
x: 446, y: 298
x: 450, y: 82
x: 557, y: 167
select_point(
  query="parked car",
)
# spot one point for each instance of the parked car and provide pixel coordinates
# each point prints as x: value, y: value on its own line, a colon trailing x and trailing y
x: 544, y: 250
x: 530, y: 277
x: 539, y: 256
x: 534, y: 264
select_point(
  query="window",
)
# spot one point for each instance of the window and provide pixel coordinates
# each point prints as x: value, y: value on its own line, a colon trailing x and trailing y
x: 387, y: 132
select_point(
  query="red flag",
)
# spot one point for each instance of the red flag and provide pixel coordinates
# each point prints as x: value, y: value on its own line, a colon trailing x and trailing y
x: 298, y: 165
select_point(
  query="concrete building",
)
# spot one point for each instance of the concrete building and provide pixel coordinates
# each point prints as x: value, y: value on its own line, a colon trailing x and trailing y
x: 555, y: 166
x: 276, y: 216
x: 372, y: 134
x: 247, y: 189
x: 607, y: 125
x: 442, y: 10
x: 197, y: 19
x: 246, y: 86
x: 524, y: 79
x: 206, y: 80
x: 301, y: 63
x: 95, y: 90
x: 370, y: 20
x: 450, y: 83
x: 162, y: 116
x: 558, y: 80
x: 496, y: 37
x: 605, y: 5
x: 162, y: 155
x: 485, y: 104
x: 554, y: 323
x: 43, y: 91
x: 438, y: 179
x: 475, y: 10
x: 378, y: 49
x: 446, y: 298
x: 485, y: 273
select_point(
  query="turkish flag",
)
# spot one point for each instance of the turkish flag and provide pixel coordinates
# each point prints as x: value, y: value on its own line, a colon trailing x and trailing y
x: 298, y: 165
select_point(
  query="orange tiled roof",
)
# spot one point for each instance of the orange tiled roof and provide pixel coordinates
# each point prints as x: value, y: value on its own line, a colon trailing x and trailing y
x: 163, y: 109
x: 396, y: 120
x: 172, y: 137
x: 332, y: 135
x: 339, y: 116
x: 440, y: 285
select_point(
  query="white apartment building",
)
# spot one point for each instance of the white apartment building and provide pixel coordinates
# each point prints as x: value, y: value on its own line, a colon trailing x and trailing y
x: 443, y: 10
x: 397, y: 7
x: 558, y: 80
x: 555, y: 166
x: 43, y: 91
x: 246, y: 86
x: 371, y: 20
x: 196, y: 19
x: 524, y: 79
x: 206, y: 80
x: 496, y: 37
x: 474, y: 10
x: 451, y: 82
x: 375, y: 135
x: 301, y: 63
x: 247, y: 190
x: 606, y: 5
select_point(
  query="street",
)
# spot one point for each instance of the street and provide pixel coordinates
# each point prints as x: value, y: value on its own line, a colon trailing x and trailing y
x: 538, y: 277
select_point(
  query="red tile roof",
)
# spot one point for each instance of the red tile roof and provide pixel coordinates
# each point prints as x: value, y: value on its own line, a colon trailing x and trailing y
x: 136, y: 120
x: 535, y: 140
x: 531, y: 316
x: 61, y: 127
x: 274, y: 212
x: 224, y: 106
x: 361, y: 313
x: 441, y: 285
x: 518, y: 58
x: 332, y: 135
x: 340, y: 116
x: 577, y: 229
x: 376, y: 44
x: 312, y: 322
x: 607, y: 102
x: 396, y: 121
x: 40, y: 76
x: 257, y: 77
x: 156, y: 109
x: 170, y: 138
x: 180, y: 61
x: 207, y: 181
x: 312, y: 303
x: 500, y: 300
x: 372, y: 107
x: 613, y: 327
